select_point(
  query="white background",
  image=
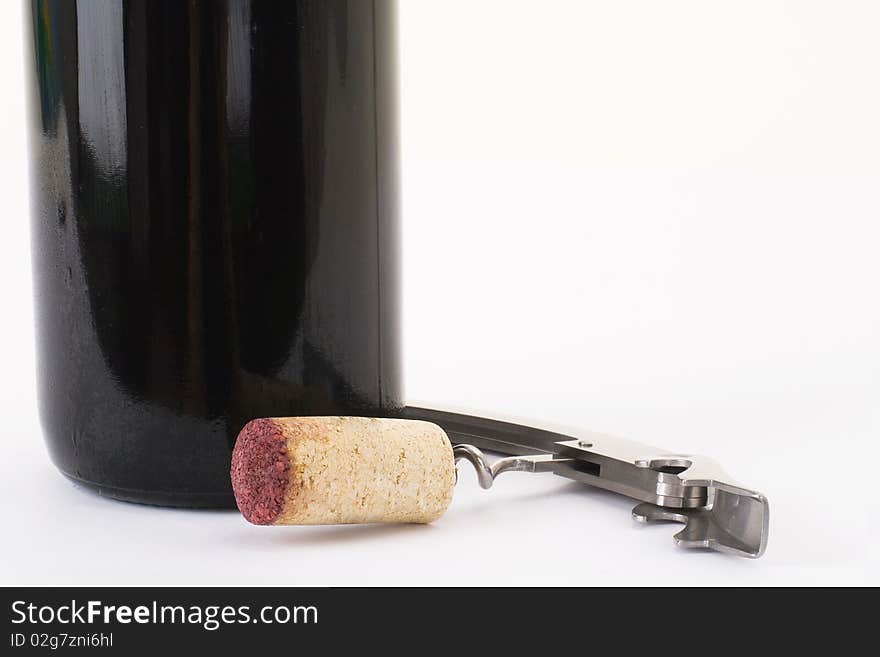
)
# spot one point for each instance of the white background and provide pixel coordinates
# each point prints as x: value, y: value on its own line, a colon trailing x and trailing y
x: 654, y: 219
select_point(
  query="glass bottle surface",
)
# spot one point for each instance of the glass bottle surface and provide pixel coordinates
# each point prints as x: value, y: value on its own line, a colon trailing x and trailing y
x: 214, y: 229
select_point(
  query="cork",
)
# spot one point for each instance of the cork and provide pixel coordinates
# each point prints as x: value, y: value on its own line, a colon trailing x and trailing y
x: 342, y: 470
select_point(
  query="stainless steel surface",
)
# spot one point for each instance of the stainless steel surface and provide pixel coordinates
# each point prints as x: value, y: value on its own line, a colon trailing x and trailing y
x: 718, y: 513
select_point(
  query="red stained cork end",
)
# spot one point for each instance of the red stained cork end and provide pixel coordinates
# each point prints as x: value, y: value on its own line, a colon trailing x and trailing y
x: 260, y: 471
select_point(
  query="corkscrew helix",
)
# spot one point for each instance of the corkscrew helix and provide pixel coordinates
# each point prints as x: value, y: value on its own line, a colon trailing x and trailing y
x: 718, y: 514
x: 487, y: 472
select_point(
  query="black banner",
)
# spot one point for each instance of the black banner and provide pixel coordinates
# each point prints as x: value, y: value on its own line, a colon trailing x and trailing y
x: 134, y: 621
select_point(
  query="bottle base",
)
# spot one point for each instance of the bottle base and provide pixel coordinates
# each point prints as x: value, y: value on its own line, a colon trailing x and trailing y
x: 176, y: 500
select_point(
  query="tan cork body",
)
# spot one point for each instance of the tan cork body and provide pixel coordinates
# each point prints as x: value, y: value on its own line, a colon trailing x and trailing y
x: 345, y: 470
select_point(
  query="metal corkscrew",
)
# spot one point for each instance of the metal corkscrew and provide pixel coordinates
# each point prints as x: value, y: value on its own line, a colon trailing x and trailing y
x: 717, y: 513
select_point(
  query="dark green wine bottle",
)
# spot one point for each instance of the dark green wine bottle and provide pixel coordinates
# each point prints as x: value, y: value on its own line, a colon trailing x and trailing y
x: 215, y: 229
